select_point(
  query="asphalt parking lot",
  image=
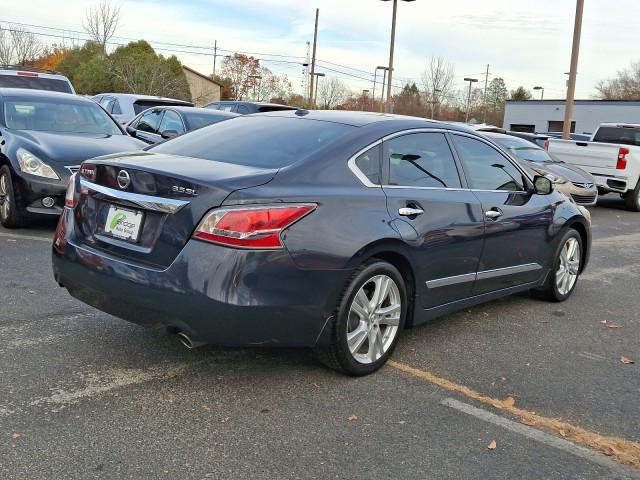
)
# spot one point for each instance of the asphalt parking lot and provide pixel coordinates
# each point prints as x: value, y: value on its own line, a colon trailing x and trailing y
x: 85, y: 395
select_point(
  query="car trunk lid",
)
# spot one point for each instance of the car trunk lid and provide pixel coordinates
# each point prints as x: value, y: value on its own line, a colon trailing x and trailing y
x: 145, y: 206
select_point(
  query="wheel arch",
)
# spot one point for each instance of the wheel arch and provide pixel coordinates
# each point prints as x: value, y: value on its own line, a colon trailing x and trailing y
x: 395, y: 253
x: 583, y: 231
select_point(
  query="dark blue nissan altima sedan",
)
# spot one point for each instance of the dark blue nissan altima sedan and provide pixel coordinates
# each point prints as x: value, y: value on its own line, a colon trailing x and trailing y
x: 330, y: 230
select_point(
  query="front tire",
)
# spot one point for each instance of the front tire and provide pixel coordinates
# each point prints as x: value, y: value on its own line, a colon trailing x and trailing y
x: 566, y: 269
x: 632, y: 199
x: 366, y: 326
x: 11, y: 215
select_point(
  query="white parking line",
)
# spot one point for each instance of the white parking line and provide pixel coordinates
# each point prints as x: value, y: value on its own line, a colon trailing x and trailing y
x: 541, y: 437
x: 26, y: 237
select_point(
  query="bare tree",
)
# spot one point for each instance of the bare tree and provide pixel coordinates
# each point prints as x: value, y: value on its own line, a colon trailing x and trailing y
x: 26, y: 45
x: 18, y: 46
x: 625, y: 86
x: 331, y: 92
x: 437, y: 81
x: 270, y: 85
x: 101, y: 22
x: 6, y: 47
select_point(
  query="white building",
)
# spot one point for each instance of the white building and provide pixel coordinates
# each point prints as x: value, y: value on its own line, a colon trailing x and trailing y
x: 548, y: 115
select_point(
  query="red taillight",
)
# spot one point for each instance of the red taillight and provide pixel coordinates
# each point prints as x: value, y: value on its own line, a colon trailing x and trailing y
x: 27, y: 74
x: 622, y: 158
x: 250, y: 227
x: 70, y: 196
x: 546, y: 145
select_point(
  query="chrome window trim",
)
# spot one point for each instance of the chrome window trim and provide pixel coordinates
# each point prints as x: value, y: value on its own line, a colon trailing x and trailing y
x: 147, y: 202
x: 483, y: 275
x: 351, y: 163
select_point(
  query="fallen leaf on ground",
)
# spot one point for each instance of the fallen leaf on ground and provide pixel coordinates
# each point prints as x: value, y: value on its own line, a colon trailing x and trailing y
x: 528, y: 421
x: 492, y: 445
x: 32, y: 292
x: 626, y: 361
x: 172, y: 375
x: 352, y: 418
x: 604, y: 322
x: 509, y: 401
x: 613, y: 325
x: 563, y: 433
x: 15, y: 435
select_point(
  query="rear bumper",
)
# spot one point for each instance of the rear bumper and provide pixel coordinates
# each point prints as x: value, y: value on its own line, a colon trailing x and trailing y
x: 610, y: 183
x: 218, y: 295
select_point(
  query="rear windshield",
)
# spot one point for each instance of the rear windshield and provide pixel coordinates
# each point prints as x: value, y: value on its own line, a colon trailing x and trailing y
x: 142, y: 105
x: 626, y: 136
x: 58, y: 116
x: 263, y: 142
x: 198, y: 120
x: 35, y: 83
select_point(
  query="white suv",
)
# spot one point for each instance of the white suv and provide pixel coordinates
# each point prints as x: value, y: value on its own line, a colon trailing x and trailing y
x: 33, y: 78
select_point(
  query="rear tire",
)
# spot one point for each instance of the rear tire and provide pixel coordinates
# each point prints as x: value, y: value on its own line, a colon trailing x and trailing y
x: 11, y: 213
x: 365, y: 328
x: 567, y: 266
x: 632, y: 199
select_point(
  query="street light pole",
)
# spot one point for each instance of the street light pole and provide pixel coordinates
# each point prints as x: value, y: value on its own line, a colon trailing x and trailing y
x: 384, y: 78
x: 571, y: 88
x: 471, y: 82
x: 541, y: 93
x: 391, y: 47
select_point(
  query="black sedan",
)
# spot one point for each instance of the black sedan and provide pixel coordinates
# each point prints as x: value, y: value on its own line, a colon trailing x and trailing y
x: 44, y: 136
x: 329, y: 230
x: 158, y: 124
x: 569, y: 179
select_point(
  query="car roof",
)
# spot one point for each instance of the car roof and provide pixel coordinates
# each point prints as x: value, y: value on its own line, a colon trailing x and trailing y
x: 259, y: 104
x: 359, y: 119
x: 33, y: 93
x: 620, y: 125
x: 135, y: 96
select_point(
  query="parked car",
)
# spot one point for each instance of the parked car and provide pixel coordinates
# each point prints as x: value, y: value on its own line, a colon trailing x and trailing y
x: 244, y: 108
x: 125, y: 106
x: 330, y: 230
x: 16, y: 76
x: 568, y: 179
x: 583, y: 137
x: 612, y: 156
x: 535, y: 138
x: 44, y: 138
x: 162, y: 123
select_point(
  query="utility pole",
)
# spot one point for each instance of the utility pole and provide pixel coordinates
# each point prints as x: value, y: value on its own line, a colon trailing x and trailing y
x: 384, y: 81
x: 571, y: 87
x: 471, y: 82
x: 393, y: 40
x: 215, y: 55
x: 313, y: 60
x: 486, y: 83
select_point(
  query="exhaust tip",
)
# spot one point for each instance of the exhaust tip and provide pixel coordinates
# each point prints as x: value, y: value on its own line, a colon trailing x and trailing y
x: 187, y: 341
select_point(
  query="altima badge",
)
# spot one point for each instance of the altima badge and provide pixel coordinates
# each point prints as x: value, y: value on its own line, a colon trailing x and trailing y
x: 123, y: 179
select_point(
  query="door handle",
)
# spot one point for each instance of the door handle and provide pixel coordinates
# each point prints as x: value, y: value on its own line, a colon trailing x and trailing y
x: 410, y: 212
x: 493, y: 214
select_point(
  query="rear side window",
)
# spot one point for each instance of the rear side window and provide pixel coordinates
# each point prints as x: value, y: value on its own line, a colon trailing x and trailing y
x: 369, y: 164
x: 171, y: 121
x: 35, y: 83
x: 486, y: 168
x: 263, y: 142
x: 626, y: 136
x: 421, y: 160
x: 149, y: 121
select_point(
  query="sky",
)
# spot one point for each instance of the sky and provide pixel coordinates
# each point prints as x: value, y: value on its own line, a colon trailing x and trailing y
x: 526, y: 42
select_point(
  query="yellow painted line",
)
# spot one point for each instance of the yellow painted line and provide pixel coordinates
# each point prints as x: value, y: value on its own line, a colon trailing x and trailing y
x: 623, y: 451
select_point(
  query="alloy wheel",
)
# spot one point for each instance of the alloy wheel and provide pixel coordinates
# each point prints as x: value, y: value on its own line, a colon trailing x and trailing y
x: 374, y: 319
x: 5, y: 199
x: 569, y: 266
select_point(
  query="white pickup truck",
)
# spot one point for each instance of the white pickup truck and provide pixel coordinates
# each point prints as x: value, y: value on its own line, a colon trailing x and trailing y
x: 612, y: 156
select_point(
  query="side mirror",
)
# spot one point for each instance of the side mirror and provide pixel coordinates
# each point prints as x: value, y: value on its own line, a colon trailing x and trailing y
x: 542, y: 185
x: 169, y: 134
x: 131, y: 131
